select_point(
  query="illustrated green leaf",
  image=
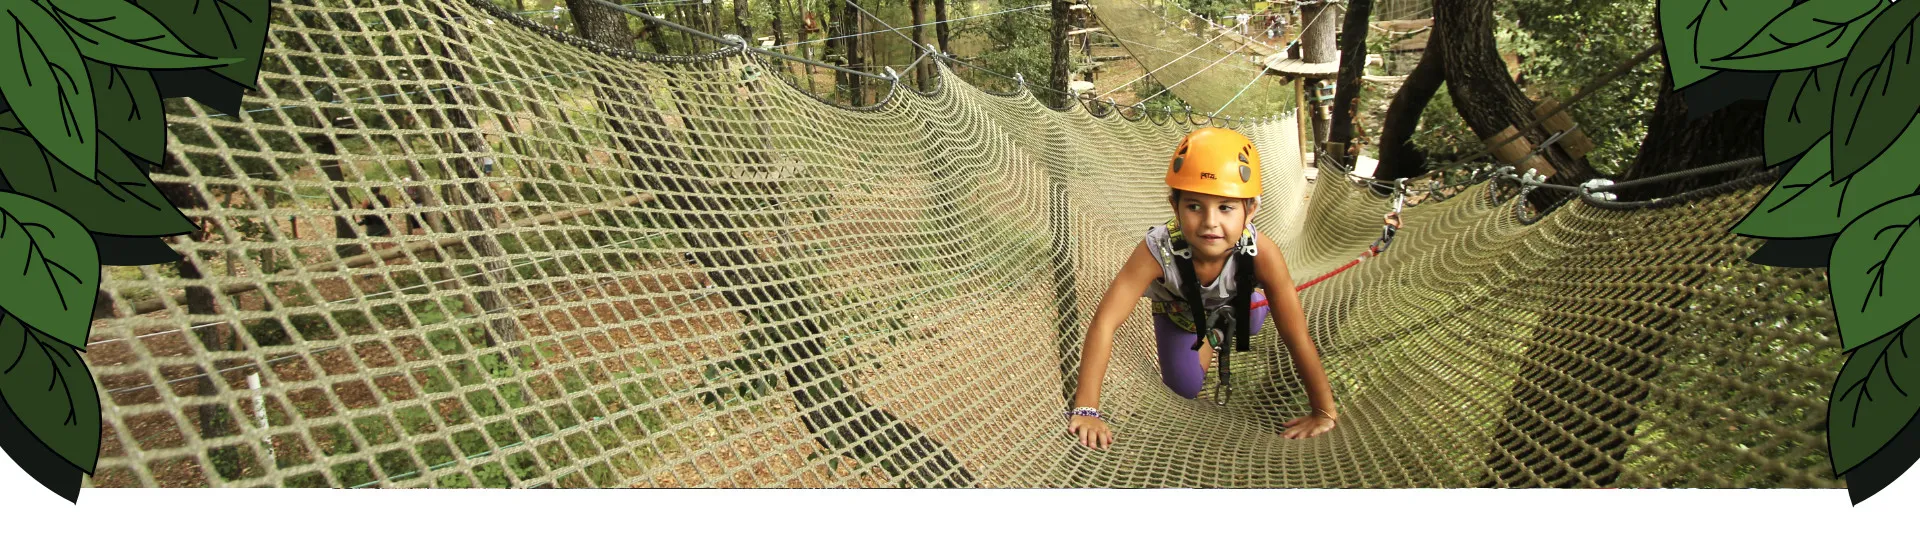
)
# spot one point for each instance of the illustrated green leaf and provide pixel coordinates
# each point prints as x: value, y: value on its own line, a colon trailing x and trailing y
x: 1875, y: 261
x: 120, y: 199
x: 229, y: 29
x: 1879, y: 90
x: 1696, y: 31
x: 123, y: 34
x: 1811, y: 34
x: 49, y: 269
x: 1800, y: 111
x: 129, y: 110
x: 1807, y: 201
x: 1875, y: 395
x: 45, y: 79
x: 47, y: 386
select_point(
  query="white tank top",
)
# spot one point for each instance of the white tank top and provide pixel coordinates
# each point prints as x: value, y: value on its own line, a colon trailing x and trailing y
x: 1215, y: 296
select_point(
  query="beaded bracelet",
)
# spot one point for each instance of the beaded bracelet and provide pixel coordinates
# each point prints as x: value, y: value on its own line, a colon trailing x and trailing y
x: 1085, y: 412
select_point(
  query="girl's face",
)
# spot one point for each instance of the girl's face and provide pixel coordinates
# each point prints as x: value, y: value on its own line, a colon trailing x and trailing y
x: 1212, y: 224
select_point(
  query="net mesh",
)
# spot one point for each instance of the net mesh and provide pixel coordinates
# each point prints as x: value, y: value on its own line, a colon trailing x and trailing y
x: 1207, y: 68
x: 446, y: 249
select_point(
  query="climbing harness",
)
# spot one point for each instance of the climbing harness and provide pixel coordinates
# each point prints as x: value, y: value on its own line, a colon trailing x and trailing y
x: 1212, y: 327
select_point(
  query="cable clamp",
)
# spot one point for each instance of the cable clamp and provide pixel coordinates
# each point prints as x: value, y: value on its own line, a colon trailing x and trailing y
x: 1594, y: 190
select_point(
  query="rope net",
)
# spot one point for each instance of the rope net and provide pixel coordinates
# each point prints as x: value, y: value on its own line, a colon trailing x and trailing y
x: 1198, y: 65
x: 682, y: 272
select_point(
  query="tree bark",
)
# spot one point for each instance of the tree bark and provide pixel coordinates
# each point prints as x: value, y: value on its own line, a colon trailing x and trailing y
x: 1484, y: 92
x: 850, y: 25
x: 1399, y: 158
x: 779, y: 37
x: 1678, y: 139
x: 940, y: 29
x: 1353, y: 62
x: 594, y: 19
x: 742, y: 21
x: 1316, y: 46
x: 1057, y: 76
x: 468, y: 146
x: 924, y: 71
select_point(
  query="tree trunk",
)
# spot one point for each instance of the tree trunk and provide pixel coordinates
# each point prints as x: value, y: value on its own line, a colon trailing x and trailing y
x: 1398, y: 156
x: 850, y: 25
x: 940, y: 29
x: 468, y: 146
x: 594, y: 19
x: 1484, y: 92
x: 742, y: 21
x: 924, y: 71
x: 1353, y: 62
x: 1316, y: 46
x: 1678, y: 140
x: 1057, y: 77
x: 779, y: 37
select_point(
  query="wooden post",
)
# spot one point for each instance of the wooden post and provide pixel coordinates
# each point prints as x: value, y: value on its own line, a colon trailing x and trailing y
x: 1575, y: 143
x: 1300, y: 118
x: 1512, y: 152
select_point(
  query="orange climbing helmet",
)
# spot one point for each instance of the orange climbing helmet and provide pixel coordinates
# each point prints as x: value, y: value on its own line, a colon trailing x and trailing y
x: 1216, y: 161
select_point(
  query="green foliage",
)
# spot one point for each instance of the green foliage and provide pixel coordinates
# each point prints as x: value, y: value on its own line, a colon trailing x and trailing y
x: 120, y: 199
x: 125, y: 35
x: 1808, y: 202
x: 43, y: 76
x: 83, y: 109
x: 1871, y: 265
x: 1801, y: 109
x: 52, y: 269
x: 1565, y: 45
x: 1869, y: 406
x: 1880, y: 78
x: 46, y: 384
x: 1854, y: 176
x: 1443, y: 134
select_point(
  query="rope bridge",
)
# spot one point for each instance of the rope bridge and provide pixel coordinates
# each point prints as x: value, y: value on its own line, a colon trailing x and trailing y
x: 444, y: 247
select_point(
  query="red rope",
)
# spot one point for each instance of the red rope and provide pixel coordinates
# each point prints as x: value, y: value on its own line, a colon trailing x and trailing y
x: 1371, y: 251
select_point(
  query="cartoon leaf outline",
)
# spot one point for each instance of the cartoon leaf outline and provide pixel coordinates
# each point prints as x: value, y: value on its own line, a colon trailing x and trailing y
x: 1807, y: 202
x: 45, y: 79
x: 1874, y: 260
x: 1879, y: 81
x: 123, y: 34
x: 48, y: 388
x: 48, y: 268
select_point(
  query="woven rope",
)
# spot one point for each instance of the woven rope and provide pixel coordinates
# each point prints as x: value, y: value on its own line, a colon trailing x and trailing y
x: 676, y: 277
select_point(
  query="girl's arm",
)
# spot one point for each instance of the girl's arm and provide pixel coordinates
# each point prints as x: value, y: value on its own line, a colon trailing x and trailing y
x: 1270, y: 267
x: 1122, y: 295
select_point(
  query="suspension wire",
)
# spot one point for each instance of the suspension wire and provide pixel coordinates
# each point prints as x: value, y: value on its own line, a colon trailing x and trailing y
x: 883, y: 23
x: 1243, y: 89
x: 948, y: 20
x: 1162, y: 66
x: 742, y: 43
x: 1235, y: 51
x: 1263, y: 73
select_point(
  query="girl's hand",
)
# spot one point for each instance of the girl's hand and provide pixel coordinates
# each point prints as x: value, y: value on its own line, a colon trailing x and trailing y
x: 1092, y: 432
x: 1307, y: 427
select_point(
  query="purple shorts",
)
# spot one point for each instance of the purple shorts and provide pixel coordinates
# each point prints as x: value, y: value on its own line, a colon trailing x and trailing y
x: 1179, y: 364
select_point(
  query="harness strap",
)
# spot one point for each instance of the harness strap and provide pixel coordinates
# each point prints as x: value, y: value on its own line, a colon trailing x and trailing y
x: 1189, y: 283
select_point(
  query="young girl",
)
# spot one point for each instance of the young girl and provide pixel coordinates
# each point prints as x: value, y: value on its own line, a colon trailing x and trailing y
x: 1210, y: 243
